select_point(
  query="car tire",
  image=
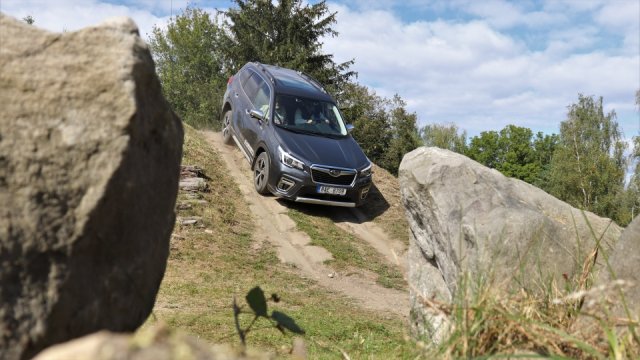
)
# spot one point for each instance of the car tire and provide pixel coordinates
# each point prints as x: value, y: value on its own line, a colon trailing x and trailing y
x: 226, y: 127
x: 261, y: 173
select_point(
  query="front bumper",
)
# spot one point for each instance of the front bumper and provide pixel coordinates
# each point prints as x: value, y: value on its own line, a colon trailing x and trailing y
x: 297, y: 185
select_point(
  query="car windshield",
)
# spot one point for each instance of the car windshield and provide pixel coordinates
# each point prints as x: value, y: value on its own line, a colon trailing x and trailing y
x: 308, y: 116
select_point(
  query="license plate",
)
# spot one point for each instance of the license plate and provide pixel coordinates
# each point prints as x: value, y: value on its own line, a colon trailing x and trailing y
x: 331, y: 190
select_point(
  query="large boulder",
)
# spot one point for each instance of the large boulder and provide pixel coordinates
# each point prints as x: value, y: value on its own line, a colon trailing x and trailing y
x: 625, y: 266
x: 464, y: 216
x: 89, y: 164
x: 152, y: 343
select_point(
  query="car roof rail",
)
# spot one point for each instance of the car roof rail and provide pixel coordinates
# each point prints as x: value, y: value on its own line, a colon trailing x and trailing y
x: 312, y: 80
x: 266, y: 72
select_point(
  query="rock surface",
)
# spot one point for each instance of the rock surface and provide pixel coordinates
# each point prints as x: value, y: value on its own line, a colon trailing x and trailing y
x: 154, y: 343
x: 464, y: 216
x: 625, y: 263
x: 89, y: 164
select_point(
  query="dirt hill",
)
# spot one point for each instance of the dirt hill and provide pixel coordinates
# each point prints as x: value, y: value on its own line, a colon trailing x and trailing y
x: 335, y: 271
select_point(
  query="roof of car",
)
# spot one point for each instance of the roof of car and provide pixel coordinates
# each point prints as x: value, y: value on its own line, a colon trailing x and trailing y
x: 291, y: 82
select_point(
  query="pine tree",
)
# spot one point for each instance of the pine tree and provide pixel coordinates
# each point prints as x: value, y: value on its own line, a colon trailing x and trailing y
x: 405, y: 136
x: 286, y: 33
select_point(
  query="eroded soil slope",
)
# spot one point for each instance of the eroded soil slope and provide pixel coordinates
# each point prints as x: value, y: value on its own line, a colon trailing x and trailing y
x: 276, y: 227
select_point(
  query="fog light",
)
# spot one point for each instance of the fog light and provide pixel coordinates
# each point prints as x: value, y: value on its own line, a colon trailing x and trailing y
x: 364, y: 192
x: 285, y: 184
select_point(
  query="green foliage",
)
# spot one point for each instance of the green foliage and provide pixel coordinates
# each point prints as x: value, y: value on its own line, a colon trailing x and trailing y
x: 587, y: 169
x: 198, y: 52
x: 445, y: 136
x: 286, y: 33
x: 191, y: 66
x: 258, y: 304
x: 367, y: 112
x: 383, y: 128
x: 633, y: 190
x: 544, y: 146
x: 405, y: 136
x: 514, y: 152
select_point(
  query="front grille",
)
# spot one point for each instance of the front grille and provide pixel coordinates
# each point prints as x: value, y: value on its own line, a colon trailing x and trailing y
x: 323, y: 176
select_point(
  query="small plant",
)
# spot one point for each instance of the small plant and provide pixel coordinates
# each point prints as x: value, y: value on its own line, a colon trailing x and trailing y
x: 29, y: 19
x: 258, y: 304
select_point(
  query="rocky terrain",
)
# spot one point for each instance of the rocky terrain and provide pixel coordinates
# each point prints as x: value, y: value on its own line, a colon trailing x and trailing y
x: 89, y: 159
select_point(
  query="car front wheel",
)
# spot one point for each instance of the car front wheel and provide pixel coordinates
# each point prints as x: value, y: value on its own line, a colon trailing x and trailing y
x: 226, y: 127
x: 261, y: 173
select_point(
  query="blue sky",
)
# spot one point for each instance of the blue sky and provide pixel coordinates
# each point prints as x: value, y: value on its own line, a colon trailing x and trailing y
x: 481, y: 64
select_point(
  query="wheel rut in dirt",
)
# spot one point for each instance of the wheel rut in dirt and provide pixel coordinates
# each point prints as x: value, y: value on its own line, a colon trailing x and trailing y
x: 293, y: 246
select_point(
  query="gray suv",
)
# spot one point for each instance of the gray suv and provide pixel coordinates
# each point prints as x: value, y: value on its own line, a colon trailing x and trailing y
x: 293, y: 135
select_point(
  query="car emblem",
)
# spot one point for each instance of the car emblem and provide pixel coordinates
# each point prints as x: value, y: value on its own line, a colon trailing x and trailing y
x: 334, y: 173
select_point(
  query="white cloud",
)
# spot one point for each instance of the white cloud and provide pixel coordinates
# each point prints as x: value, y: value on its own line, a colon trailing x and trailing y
x: 71, y: 15
x: 480, y: 71
x: 498, y: 13
x: 483, y: 78
x: 622, y: 16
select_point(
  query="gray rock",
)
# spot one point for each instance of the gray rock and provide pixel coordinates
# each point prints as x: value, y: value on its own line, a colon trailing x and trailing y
x: 464, y: 216
x: 625, y: 263
x: 152, y: 343
x: 89, y: 165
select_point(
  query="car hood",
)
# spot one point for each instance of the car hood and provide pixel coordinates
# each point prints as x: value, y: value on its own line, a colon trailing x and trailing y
x: 339, y: 152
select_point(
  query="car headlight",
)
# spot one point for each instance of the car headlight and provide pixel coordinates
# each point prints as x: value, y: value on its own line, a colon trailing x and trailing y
x: 289, y: 160
x: 366, y: 171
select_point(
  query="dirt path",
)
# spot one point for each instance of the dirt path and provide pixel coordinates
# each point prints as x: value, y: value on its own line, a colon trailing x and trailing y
x: 275, y: 226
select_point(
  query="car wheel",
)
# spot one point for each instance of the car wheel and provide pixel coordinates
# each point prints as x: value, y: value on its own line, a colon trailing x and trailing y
x: 261, y: 173
x: 226, y: 127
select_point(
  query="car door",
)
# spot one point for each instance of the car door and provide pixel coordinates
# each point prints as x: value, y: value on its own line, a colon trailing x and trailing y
x: 249, y: 91
x: 240, y: 101
x: 260, y: 97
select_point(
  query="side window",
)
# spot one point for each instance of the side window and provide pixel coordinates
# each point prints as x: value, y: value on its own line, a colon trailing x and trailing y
x: 258, y: 92
x: 250, y: 86
x: 261, y: 100
x: 244, y: 75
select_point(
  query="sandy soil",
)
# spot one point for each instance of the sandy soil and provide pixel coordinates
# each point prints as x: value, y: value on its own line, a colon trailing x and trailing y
x: 274, y: 226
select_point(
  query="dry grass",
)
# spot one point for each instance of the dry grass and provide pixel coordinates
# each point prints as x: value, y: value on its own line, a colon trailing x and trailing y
x: 384, y: 205
x: 552, y: 322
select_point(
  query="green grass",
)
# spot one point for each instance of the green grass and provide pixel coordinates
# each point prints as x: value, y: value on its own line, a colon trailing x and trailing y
x: 348, y: 251
x: 216, y: 259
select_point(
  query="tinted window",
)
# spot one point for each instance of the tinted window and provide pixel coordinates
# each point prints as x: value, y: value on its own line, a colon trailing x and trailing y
x: 258, y: 92
x: 250, y: 86
x: 244, y: 75
x: 261, y: 99
x: 308, y: 115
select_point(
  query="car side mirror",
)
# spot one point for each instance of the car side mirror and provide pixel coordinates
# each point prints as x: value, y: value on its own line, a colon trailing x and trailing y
x: 256, y: 114
x: 350, y: 128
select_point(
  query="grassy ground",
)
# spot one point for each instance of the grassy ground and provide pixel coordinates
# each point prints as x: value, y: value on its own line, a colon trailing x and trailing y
x: 215, y: 259
x: 348, y: 251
